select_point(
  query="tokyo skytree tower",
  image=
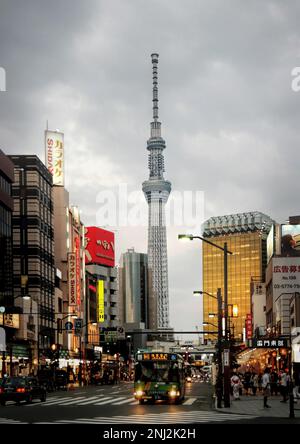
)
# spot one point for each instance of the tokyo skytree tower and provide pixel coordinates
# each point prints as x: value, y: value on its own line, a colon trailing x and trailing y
x: 156, y: 190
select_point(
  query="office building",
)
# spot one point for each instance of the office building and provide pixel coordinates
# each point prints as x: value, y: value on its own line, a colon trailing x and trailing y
x: 245, y: 235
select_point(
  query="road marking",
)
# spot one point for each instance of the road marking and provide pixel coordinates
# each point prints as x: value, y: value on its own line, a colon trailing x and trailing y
x: 122, y: 402
x: 161, y: 418
x: 72, y: 401
x: 189, y: 401
x: 90, y: 400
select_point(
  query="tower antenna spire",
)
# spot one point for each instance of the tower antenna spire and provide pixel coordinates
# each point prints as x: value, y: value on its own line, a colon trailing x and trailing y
x: 155, y: 125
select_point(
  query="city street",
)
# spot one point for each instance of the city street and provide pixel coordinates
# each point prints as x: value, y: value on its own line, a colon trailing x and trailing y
x: 116, y: 405
x: 109, y: 404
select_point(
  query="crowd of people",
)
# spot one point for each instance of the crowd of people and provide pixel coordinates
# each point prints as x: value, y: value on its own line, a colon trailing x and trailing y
x: 269, y: 383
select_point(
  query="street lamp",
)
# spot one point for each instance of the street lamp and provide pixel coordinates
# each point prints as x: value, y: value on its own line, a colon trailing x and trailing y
x: 225, y: 252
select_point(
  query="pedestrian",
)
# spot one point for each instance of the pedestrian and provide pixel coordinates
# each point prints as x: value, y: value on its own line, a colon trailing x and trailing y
x: 265, y: 383
x: 235, y: 384
x: 254, y: 383
x: 285, y: 382
x: 296, y: 385
x: 274, y: 383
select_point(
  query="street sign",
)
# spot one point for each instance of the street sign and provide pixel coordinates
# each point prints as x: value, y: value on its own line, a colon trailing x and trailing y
x: 111, y: 336
x: 268, y: 343
x: 121, y: 332
x: 226, y: 357
x: 68, y: 326
x: 2, y: 309
x: 2, y: 340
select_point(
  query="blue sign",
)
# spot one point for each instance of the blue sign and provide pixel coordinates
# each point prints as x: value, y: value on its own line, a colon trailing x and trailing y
x: 68, y: 326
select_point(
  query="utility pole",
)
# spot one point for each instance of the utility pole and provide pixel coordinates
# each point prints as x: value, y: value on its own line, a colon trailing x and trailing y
x: 227, y: 336
x: 219, y: 383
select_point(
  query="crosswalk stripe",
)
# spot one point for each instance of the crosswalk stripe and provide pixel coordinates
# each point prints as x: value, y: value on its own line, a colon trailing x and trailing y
x: 125, y: 401
x: 99, y: 399
x: 90, y: 400
x: 107, y: 400
x: 72, y: 401
x: 51, y: 401
x: 189, y: 401
x: 161, y: 418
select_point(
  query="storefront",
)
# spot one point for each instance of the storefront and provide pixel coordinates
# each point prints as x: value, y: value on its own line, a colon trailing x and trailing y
x: 261, y: 353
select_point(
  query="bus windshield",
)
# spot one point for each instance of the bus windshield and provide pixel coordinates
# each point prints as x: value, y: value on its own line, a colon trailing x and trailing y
x: 153, y: 371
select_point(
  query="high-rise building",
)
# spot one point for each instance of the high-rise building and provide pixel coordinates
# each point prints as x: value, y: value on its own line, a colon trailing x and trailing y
x: 137, y: 305
x: 246, y: 235
x: 6, y: 258
x: 69, y: 260
x: 156, y: 190
x: 33, y: 255
x: 100, y: 261
x: 6, y: 208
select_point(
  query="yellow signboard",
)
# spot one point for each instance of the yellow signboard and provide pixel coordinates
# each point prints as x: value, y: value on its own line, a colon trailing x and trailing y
x: 100, y: 302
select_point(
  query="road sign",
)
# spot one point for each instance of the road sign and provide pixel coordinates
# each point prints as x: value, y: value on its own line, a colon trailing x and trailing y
x: 121, y: 332
x: 2, y: 309
x: 111, y: 336
x: 68, y: 326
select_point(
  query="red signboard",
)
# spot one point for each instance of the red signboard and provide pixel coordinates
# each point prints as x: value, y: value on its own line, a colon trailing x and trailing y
x: 248, y: 323
x: 99, y: 246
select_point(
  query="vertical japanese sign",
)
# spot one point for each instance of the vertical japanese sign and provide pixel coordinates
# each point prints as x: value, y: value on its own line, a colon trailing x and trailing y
x: 72, y: 278
x: 54, y: 143
x: 100, y: 302
x: 248, y: 326
x: 78, y: 268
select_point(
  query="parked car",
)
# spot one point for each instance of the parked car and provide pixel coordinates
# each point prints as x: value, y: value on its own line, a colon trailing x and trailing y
x: 21, y: 389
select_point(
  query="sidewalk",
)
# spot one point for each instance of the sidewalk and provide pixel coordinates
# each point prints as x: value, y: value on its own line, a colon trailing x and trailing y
x: 253, y: 405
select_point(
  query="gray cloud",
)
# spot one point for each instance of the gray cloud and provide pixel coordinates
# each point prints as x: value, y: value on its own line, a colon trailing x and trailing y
x: 230, y: 117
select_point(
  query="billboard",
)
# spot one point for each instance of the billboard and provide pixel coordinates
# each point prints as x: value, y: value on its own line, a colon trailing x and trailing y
x: 286, y: 275
x: 100, y: 302
x: 270, y: 243
x: 290, y: 240
x: 72, y: 278
x: 99, y: 246
x: 78, y: 277
x: 54, y: 144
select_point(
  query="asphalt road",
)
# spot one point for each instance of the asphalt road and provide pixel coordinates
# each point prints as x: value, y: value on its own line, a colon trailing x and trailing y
x: 116, y: 405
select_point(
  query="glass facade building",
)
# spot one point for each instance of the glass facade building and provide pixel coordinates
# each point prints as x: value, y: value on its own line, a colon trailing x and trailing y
x: 246, y: 236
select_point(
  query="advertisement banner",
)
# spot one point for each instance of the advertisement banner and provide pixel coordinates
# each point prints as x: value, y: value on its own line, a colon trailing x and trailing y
x: 286, y: 275
x: 99, y: 246
x: 248, y: 325
x: 72, y: 278
x: 54, y: 143
x: 290, y: 240
x: 100, y: 302
x: 10, y: 320
x: 270, y: 243
x: 78, y: 277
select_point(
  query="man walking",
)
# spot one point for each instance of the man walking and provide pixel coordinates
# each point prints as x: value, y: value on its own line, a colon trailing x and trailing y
x: 266, y: 387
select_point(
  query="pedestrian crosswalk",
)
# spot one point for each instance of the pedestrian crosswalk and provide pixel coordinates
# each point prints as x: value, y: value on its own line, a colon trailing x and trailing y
x: 97, y: 400
x: 189, y: 417
x: 10, y: 421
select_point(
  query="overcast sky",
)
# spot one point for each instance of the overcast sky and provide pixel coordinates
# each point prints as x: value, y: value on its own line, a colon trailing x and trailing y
x: 229, y: 116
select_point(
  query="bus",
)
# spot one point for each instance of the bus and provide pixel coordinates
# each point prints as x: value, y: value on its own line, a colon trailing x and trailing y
x: 159, y: 376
